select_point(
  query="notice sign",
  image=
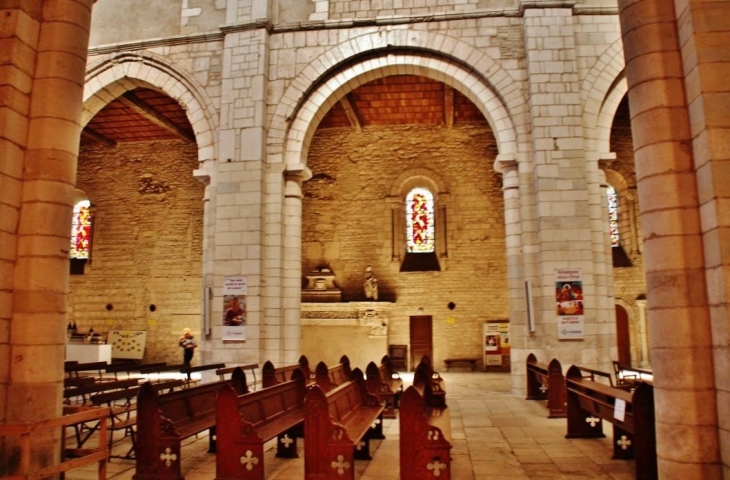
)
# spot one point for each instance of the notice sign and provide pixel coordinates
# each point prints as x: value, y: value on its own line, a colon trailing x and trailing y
x: 234, y: 308
x: 569, y: 303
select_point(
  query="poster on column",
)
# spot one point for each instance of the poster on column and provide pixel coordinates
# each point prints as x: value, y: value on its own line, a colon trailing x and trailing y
x: 234, y: 308
x: 569, y: 303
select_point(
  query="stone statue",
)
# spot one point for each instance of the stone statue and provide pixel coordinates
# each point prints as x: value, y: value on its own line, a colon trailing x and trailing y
x: 371, y: 284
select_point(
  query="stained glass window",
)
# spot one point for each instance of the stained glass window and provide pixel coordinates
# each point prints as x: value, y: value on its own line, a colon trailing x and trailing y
x: 419, y: 221
x: 612, y: 215
x: 81, y: 231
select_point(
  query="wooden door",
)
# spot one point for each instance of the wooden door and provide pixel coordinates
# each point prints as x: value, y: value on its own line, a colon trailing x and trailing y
x: 623, y: 341
x: 421, y: 339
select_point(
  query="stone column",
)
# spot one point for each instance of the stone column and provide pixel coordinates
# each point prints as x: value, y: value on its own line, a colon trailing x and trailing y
x: 292, y: 281
x: 678, y: 313
x: 49, y: 129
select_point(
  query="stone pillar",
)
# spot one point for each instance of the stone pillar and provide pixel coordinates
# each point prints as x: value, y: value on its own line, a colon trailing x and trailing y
x: 678, y: 313
x: 292, y: 281
x: 46, y: 121
x: 568, y: 232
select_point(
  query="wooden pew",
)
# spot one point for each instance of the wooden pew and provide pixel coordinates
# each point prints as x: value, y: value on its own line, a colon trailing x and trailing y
x: 122, y: 404
x: 271, y: 376
x: 429, y: 387
x: 634, y: 437
x: 329, y: 378
x: 128, y: 368
x: 163, y: 421
x: 335, y: 424
x: 425, y: 438
x: 435, y: 376
x: 249, y: 367
x: 86, y: 390
x: 546, y: 382
x: 386, y: 388
x: 245, y: 422
x: 72, y: 369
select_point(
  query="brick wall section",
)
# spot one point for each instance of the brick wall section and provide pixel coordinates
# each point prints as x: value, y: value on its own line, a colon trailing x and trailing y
x: 147, y: 243
x: 347, y: 223
x: 346, y: 9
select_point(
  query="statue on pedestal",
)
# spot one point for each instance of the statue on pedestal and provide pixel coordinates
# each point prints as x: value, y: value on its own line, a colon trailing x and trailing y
x: 371, y: 285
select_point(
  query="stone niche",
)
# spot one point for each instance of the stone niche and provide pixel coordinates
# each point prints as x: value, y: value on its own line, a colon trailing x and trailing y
x: 357, y: 329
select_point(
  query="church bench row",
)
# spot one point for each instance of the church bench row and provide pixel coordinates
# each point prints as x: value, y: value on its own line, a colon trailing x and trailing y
x: 244, y: 422
x: 338, y: 426
x: 163, y: 421
x: 271, y: 375
x: 249, y: 367
x: 330, y: 377
x: 546, y: 382
x: 425, y: 431
x: 385, y: 385
x: 430, y: 384
x: 632, y: 416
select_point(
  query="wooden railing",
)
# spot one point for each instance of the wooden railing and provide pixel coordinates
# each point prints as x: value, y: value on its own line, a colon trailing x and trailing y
x: 87, y: 456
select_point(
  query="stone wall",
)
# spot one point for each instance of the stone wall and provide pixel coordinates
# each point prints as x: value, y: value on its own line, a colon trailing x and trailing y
x: 347, y: 225
x: 146, y: 246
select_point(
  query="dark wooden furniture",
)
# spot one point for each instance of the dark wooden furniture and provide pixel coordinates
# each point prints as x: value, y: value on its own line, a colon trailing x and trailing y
x: 398, y: 354
x: 187, y: 370
x: 271, y: 375
x: 163, y: 421
x: 429, y: 387
x: 249, y: 367
x: 425, y: 438
x: 129, y: 368
x: 123, y: 406
x: 245, y: 422
x: 384, y: 385
x: 72, y: 369
x: 81, y: 393
x: 546, y: 382
x: 337, y: 426
x: 471, y: 361
x: 329, y: 378
x: 426, y: 364
x: 634, y: 437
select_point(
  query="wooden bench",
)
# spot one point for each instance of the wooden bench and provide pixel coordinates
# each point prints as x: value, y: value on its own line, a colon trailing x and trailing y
x: 329, y: 378
x: 128, y: 368
x: 271, y: 375
x: 629, y: 378
x: 249, y: 367
x: 245, y: 422
x: 72, y: 369
x: 435, y: 376
x: 471, y: 361
x: 122, y: 404
x: 337, y: 426
x: 163, y: 421
x: 425, y: 437
x: 83, y: 391
x: 429, y: 386
x: 546, y: 382
x: 387, y: 387
x: 634, y: 436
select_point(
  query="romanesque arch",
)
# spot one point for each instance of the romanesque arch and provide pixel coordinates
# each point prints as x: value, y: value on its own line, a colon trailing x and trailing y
x: 110, y: 77
x: 329, y: 77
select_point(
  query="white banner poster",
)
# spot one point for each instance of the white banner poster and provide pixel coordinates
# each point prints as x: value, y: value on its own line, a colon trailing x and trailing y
x: 569, y: 303
x: 234, y: 308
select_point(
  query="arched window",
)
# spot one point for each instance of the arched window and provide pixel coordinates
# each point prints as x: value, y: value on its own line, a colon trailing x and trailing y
x: 419, y: 221
x: 612, y: 199
x: 81, y: 231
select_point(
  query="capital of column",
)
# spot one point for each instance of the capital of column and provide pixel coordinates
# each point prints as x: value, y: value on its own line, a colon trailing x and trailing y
x: 507, y: 165
x: 294, y: 177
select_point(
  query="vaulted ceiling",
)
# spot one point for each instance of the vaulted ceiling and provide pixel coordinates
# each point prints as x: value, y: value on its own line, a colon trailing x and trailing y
x: 146, y: 115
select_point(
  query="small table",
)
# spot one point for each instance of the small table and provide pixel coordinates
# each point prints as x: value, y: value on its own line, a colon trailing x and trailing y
x: 471, y: 361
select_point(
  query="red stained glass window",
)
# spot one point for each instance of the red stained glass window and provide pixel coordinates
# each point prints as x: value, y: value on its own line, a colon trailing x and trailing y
x: 81, y: 231
x: 419, y: 221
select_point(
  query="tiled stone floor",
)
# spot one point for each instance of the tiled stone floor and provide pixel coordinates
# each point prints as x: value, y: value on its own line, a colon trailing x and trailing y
x: 496, y: 435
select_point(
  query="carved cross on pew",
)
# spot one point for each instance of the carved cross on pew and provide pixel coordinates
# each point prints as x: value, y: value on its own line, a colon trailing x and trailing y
x: 360, y: 445
x: 623, y: 442
x: 375, y: 423
x: 249, y: 460
x: 436, y: 466
x: 593, y: 421
x: 340, y: 465
x: 543, y: 388
x: 433, y: 435
x: 286, y: 440
x: 168, y: 457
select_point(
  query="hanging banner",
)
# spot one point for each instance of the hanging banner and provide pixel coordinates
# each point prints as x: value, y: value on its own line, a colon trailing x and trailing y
x: 234, y: 308
x: 569, y: 303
